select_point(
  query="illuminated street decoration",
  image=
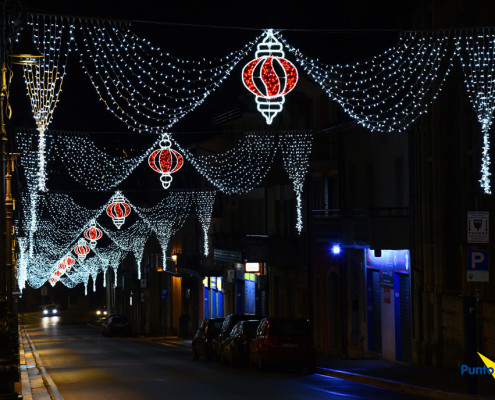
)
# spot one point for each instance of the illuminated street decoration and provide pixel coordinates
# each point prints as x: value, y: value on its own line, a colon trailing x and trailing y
x: 118, y: 209
x: 93, y: 234
x: 269, y: 76
x: 165, y: 161
x: 146, y: 88
x: 204, y: 207
x: 44, y: 80
x: 89, y: 165
x: 81, y: 249
x: 69, y: 262
x: 296, y: 148
x: 478, y: 64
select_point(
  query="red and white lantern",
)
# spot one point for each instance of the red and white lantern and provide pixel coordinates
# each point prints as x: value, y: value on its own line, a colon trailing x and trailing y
x: 270, y: 77
x: 69, y: 261
x: 81, y: 249
x: 118, y: 209
x: 93, y: 233
x: 165, y: 161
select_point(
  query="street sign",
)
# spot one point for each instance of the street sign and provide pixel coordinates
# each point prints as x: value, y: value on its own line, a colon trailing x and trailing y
x: 164, y: 294
x: 477, y: 227
x: 477, y: 266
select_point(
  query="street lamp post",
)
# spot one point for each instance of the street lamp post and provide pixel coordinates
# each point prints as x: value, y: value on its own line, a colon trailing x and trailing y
x: 9, y: 340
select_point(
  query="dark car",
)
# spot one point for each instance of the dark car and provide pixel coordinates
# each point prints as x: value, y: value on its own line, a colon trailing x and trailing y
x: 228, y: 324
x: 236, y: 346
x: 116, y: 325
x: 50, y: 310
x: 202, y: 343
x: 283, y: 340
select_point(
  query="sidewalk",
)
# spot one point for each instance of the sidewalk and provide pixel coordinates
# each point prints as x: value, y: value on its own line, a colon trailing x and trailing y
x: 429, y: 382
x: 36, y: 384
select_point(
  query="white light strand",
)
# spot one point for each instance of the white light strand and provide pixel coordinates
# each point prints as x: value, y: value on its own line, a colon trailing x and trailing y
x: 204, y: 202
x: 296, y: 148
x: 239, y: 169
x: 146, y: 89
x: 44, y: 80
x: 477, y: 56
x: 92, y: 167
x: 393, y: 89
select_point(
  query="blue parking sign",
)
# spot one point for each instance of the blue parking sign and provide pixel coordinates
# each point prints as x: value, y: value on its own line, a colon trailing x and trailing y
x: 164, y: 294
x: 477, y: 266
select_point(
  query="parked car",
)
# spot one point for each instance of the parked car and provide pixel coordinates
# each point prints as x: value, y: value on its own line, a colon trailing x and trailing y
x: 50, y: 310
x: 202, y: 343
x: 228, y: 324
x: 283, y: 340
x: 116, y: 325
x: 236, y: 346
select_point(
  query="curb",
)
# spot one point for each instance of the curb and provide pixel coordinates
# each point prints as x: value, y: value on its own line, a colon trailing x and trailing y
x: 50, y: 386
x: 395, y: 385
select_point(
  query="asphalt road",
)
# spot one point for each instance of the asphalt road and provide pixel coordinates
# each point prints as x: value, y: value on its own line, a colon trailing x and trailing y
x: 84, y: 365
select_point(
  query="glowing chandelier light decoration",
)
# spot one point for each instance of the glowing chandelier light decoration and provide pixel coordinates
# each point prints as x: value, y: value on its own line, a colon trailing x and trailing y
x: 165, y: 161
x: 296, y: 148
x: 204, y: 202
x: 269, y: 76
x: 93, y: 234
x: 478, y: 63
x: 81, y: 249
x: 118, y: 209
x: 53, y: 36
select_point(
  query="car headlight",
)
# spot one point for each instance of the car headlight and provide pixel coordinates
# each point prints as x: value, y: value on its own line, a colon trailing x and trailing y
x: 45, y: 312
x: 98, y: 312
x: 54, y: 311
x: 104, y: 313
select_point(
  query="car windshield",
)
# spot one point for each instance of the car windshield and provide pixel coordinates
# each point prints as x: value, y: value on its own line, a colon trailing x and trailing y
x: 216, y: 325
x: 250, y: 327
x: 289, y: 328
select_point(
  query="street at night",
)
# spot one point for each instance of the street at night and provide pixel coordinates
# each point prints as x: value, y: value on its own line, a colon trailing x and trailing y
x: 85, y: 365
x: 254, y: 202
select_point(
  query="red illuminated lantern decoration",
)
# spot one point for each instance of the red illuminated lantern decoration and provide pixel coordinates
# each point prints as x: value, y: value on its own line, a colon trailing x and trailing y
x: 118, y: 209
x: 165, y: 161
x: 81, y: 249
x: 269, y: 77
x: 93, y: 233
x: 53, y: 281
x: 69, y: 262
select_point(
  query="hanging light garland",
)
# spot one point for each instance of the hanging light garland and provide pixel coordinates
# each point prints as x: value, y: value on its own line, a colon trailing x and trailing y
x: 477, y: 56
x: 44, y: 80
x: 269, y: 76
x: 165, y: 161
x: 296, y: 148
x: 145, y: 88
x: 204, y: 202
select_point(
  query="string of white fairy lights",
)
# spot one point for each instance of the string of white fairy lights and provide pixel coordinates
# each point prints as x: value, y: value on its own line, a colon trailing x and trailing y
x: 57, y: 235
x: 147, y: 89
x: 53, y: 36
x: 477, y: 55
x: 150, y: 90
